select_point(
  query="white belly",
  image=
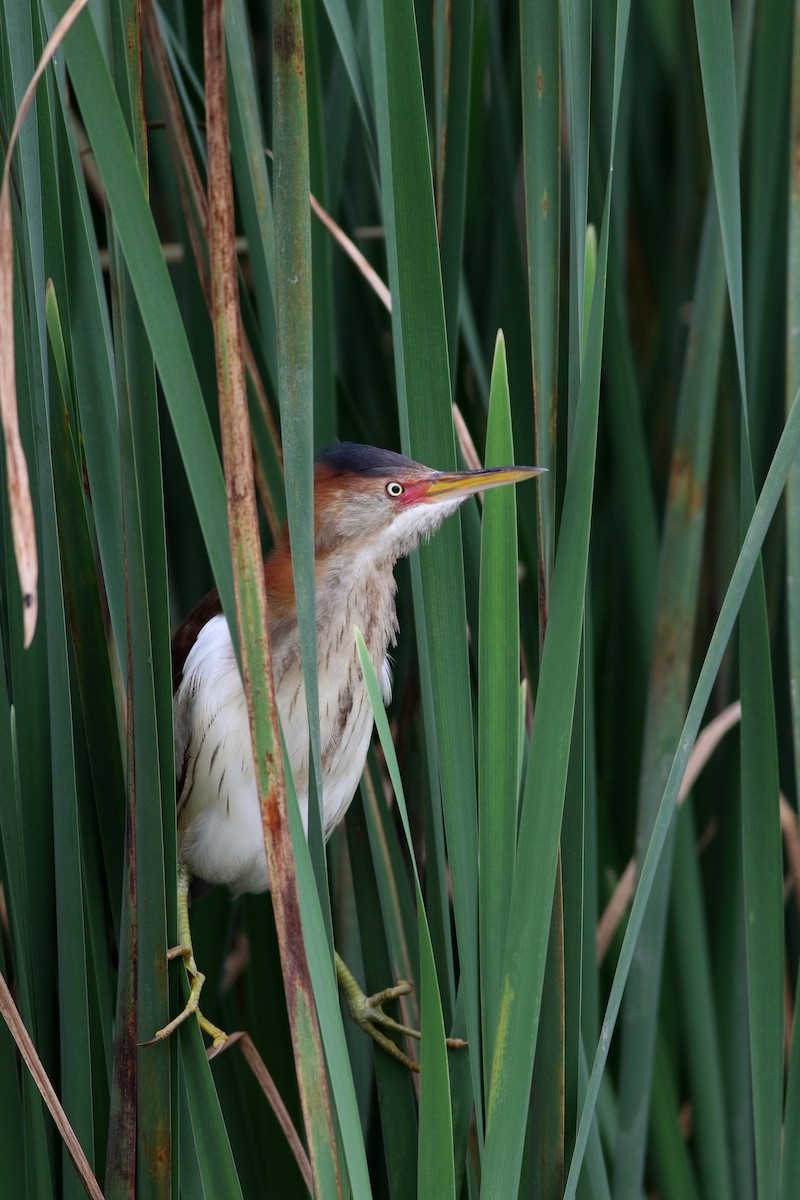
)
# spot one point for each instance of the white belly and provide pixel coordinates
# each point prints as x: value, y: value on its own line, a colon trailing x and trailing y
x: 220, y: 836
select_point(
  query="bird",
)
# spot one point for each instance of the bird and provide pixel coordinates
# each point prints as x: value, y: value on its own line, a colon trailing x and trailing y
x: 371, y: 508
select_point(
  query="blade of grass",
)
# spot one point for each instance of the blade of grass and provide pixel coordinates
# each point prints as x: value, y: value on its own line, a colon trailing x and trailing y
x: 38, y: 1164
x: 84, y: 615
x: 541, y: 116
x: 595, y: 1178
x: 540, y: 822
x: 669, y: 1151
x: 699, y: 1018
x: 396, y: 1098
x: 498, y: 687
x: 322, y: 314
x: 70, y: 913
x: 759, y: 763
x: 784, y: 456
x: 423, y: 382
x: 151, y: 779
x: 295, y: 372
x: 393, y: 889
x: 576, y: 37
x: 765, y: 193
x: 22, y: 522
x: 57, y: 728
x: 92, y: 362
x: 154, y: 293
x: 144, y: 783
x: 792, y: 384
x: 548, y: 1112
x: 790, y: 1166
x: 675, y: 608
x: 557, y: 1061
x: 342, y: 27
x: 258, y: 225
x: 31, y: 736
x: 253, y: 188
x: 435, y: 1168
x: 437, y: 875
x: 294, y: 297
x: 564, y: 1013
x: 327, y: 1000
x: 206, y: 1160
x: 454, y: 24
x: 528, y: 921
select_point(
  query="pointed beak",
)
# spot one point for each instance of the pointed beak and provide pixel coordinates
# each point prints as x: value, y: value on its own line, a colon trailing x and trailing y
x: 466, y: 483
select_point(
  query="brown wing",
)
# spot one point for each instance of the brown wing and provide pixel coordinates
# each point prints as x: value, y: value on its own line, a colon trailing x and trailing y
x: 185, y: 635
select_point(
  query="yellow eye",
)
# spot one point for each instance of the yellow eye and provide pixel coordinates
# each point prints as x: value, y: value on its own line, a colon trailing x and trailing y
x: 394, y: 489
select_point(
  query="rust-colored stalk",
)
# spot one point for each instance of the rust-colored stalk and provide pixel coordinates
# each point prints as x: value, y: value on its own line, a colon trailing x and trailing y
x: 251, y: 603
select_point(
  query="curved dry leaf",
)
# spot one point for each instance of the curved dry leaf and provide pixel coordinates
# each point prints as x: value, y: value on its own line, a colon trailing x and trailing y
x: 350, y: 248
x: 12, y: 1018
x: 707, y: 741
x: 704, y: 747
x: 275, y: 1101
x: 353, y: 253
x: 791, y: 845
x: 615, y: 910
x: 23, y: 528
x: 471, y: 457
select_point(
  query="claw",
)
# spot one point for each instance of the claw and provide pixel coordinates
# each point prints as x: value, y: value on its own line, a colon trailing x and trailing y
x: 196, y: 978
x: 368, y: 1014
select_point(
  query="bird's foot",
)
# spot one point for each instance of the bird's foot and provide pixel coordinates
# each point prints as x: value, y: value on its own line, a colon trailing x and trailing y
x: 368, y: 1014
x: 192, y: 1006
x: 185, y: 951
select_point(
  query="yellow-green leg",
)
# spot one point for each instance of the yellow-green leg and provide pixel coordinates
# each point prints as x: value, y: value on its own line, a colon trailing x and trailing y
x: 196, y: 978
x: 368, y: 1014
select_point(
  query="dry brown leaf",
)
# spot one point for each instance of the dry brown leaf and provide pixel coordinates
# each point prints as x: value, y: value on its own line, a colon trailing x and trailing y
x: 791, y: 845
x: 273, y: 1096
x: 704, y: 747
x: 23, y: 528
x: 466, y: 443
x: 246, y: 548
x: 354, y: 254
x: 13, y: 1020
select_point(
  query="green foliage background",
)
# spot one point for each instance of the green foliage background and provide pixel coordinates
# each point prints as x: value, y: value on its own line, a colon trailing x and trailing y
x: 650, y: 360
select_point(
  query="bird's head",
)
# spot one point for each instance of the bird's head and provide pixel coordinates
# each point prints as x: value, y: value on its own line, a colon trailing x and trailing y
x: 380, y: 503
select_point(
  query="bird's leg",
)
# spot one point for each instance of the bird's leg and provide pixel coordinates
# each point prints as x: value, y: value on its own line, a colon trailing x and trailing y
x: 185, y: 951
x: 368, y: 1014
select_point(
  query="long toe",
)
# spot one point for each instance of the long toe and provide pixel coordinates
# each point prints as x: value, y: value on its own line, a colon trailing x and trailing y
x: 218, y: 1036
x: 368, y: 1014
x: 371, y: 1013
x: 388, y: 1046
x: 192, y: 1006
x: 196, y: 978
x: 184, y: 952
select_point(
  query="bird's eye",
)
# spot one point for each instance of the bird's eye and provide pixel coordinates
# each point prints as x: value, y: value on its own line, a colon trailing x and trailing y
x: 394, y: 489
